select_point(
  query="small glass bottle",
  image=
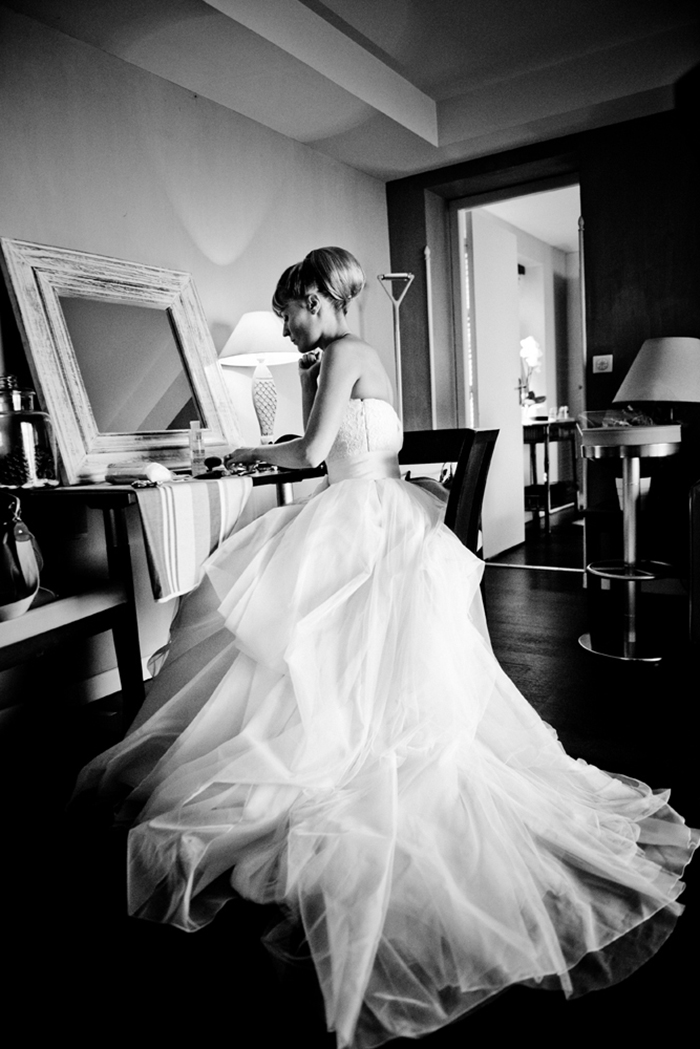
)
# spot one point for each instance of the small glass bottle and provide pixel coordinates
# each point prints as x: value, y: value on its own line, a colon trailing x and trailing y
x: 27, y: 446
x: 197, y: 452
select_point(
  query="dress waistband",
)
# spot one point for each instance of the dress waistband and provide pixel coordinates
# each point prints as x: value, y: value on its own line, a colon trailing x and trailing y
x: 369, y: 466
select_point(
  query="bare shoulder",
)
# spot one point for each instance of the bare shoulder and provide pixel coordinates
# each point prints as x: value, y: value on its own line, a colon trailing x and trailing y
x: 351, y: 346
x: 348, y: 353
x: 360, y: 360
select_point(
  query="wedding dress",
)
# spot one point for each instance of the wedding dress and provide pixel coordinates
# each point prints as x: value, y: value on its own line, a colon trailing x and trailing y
x: 332, y: 732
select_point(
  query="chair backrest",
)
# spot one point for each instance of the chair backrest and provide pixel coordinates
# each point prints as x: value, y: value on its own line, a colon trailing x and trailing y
x: 463, y: 513
x: 432, y: 446
x: 472, y: 450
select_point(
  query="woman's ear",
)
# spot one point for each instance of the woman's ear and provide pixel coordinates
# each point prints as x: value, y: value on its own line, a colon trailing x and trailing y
x: 312, y: 303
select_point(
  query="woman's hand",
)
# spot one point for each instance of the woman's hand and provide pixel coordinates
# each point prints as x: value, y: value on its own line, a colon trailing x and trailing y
x: 309, y: 365
x: 242, y: 455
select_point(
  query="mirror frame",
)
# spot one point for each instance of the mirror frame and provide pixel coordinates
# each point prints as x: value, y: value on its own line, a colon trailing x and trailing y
x: 36, y: 276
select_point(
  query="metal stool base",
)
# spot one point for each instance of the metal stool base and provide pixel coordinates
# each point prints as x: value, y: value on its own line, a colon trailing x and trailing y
x: 634, y: 655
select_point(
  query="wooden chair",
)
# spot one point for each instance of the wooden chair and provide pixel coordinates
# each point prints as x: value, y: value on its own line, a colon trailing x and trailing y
x: 471, y: 450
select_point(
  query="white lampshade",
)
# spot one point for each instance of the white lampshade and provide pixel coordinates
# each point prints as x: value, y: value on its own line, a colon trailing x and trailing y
x: 257, y: 342
x: 257, y: 339
x: 664, y: 370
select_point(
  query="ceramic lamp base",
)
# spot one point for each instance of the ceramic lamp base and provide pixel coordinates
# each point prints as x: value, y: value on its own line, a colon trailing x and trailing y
x: 265, y: 402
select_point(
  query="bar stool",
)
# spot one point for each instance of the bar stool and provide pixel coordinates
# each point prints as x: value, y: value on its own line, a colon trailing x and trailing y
x: 631, y: 444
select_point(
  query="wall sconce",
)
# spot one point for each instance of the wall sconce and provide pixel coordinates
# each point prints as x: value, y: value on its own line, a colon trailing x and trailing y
x: 257, y: 342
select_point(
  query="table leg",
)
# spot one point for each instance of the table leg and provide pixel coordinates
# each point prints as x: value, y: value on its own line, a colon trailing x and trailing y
x: 629, y: 573
x: 574, y: 467
x: 533, y: 477
x: 125, y: 629
x: 285, y: 493
x: 547, y: 490
x: 630, y: 502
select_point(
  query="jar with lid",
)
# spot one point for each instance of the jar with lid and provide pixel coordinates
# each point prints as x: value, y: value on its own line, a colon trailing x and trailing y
x: 27, y: 445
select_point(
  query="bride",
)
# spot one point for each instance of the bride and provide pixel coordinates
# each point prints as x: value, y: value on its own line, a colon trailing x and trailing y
x: 332, y: 732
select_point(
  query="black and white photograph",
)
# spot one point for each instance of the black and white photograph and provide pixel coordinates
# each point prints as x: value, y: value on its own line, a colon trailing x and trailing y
x: 349, y: 522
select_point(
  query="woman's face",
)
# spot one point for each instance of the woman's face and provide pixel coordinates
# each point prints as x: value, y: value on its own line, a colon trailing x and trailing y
x: 300, y: 324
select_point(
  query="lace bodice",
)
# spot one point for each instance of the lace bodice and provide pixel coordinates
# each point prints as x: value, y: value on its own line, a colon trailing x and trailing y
x: 367, y: 443
x: 368, y: 426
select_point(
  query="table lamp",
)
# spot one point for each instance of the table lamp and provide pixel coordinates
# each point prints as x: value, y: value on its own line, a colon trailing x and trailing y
x: 665, y: 370
x: 257, y: 342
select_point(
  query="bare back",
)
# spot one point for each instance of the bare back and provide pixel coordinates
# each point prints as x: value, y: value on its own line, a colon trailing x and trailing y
x: 373, y: 381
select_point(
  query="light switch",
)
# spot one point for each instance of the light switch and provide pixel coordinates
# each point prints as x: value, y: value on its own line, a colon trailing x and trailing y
x: 602, y: 363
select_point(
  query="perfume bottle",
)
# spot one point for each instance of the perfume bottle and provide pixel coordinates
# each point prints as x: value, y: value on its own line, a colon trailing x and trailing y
x: 197, y: 452
x: 27, y: 445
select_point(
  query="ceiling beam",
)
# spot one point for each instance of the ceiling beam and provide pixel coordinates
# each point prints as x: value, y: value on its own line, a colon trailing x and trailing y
x: 300, y: 32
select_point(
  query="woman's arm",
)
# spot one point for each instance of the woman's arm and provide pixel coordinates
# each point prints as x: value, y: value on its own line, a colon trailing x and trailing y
x: 340, y: 369
x: 309, y: 365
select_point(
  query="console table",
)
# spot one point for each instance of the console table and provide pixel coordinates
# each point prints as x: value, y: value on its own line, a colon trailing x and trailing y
x: 110, y: 606
x: 546, y: 498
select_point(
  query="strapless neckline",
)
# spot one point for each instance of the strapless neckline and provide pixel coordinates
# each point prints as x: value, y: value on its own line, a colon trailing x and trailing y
x: 372, y: 400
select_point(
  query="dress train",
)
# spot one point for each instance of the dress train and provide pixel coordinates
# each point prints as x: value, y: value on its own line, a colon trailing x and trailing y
x: 332, y: 732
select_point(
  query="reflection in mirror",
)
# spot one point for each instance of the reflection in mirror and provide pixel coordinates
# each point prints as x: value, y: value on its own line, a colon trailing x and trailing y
x: 131, y: 365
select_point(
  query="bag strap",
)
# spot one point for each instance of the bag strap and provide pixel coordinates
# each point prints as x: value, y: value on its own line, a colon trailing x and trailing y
x: 26, y: 557
x: 26, y: 563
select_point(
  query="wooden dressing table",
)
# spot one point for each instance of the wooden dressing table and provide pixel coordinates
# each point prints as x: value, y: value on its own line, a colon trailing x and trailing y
x: 108, y: 605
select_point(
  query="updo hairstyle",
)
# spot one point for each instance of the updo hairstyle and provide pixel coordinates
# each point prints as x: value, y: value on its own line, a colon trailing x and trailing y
x: 332, y: 272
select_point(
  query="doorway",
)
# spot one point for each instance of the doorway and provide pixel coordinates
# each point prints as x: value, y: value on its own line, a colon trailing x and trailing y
x: 522, y: 357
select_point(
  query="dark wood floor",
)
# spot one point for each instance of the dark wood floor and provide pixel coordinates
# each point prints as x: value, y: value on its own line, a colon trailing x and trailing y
x: 77, y: 968
x: 560, y: 547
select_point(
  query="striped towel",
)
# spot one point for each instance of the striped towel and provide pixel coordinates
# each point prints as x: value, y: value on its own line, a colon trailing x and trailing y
x: 183, y: 523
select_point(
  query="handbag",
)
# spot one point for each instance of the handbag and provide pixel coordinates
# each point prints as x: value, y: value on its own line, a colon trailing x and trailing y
x: 20, y: 560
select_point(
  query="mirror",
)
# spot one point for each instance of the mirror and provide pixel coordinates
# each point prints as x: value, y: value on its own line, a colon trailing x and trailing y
x: 121, y: 358
x: 129, y: 390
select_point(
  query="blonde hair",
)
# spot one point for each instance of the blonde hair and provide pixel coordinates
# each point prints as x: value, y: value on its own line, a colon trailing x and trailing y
x: 332, y: 272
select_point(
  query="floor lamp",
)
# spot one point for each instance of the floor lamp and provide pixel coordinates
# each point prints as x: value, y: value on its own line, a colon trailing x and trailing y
x: 404, y: 280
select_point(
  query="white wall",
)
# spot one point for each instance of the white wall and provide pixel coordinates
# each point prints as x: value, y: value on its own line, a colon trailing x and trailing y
x: 559, y: 336
x: 100, y: 156
x: 543, y: 265
x: 496, y: 327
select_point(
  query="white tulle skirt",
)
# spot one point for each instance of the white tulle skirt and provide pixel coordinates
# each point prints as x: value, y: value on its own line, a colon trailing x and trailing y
x: 332, y: 732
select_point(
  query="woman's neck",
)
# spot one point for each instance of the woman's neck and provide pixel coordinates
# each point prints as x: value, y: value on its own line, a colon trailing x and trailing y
x: 326, y: 340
